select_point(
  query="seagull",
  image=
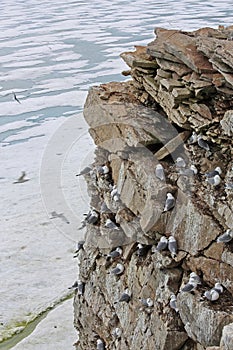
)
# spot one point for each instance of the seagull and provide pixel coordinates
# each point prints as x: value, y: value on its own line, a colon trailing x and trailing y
x: 125, y: 297
x: 216, y: 171
x: 116, y: 333
x: 159, y: 172
x: 117, y: 270
x: 142, y: 249
x: 218, y: 287
x: 173, y: 303
x: 114, y: 194
x: 203, y: 144
x: 80, y: 245
x: 225, y: 237
x: 229, y: 186
x: 193, y: 138
x: 111, y: 225
x: 189, y: 171
x: 15, y: 97
x: 103, y: 170
x: 211, y: 295
x: 85, y: 171
x: 170, y: 202
x: 172, y: 246
x: 114, y: 254
x: 21, y: 179
x: 162, y: 244
x: 194, y: 277
x: 91, y: 218
x: 190, y: 286
x: 100, y: 344
x: 214, y: 181
x: 180, y: 162
x: 147, y: 302
x: 78, y: 286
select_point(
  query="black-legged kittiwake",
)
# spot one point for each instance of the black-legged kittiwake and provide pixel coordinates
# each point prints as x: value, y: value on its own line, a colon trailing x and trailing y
x: 191, y: 285
x: 212, y: 173
x: 225, y: 237
x: 117, y: 332
x: 193, y: 138
x: 125, y: 297
x: 192, y: 170
x: 104, y: 208
x: 172, y: 246
x: 103, y: 170
x: 172, y: 303
x: 202, y: 143
x: 218, y: 287
x: 111, y: 225
x: 211, y: 295
x: 142, y: 249
x: 170, y: 202
x: 118, y: 270
x: 85, y: 171
x: 114, y: 254
x: 194, y: 277
x: 91, y: 218
x: 147, y: 302
x: 79, y: 246
x: 214, y: 181
x: 159, y: 172
x: 100, y: 345
x: 78, y: 286
x: 162, y: 244
x: 114, y: 194
x: 180, y: 162
x: 229, y: 186
x: 21, y: 179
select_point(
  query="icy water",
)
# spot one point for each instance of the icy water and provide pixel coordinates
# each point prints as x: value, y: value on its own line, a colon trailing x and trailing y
x: 51, y: 52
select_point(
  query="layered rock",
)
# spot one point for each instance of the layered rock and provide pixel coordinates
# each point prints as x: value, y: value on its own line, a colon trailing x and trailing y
x: 181, y: 84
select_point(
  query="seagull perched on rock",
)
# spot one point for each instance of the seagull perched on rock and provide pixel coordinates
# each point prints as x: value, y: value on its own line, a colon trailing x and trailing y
x: 193, y: 138
x: 79, y: 286
x: 189, y: 171
x: 225, y: 237
x: 100, y: 344
x: 214, y: 181
x: 80, y: 245
x: 180, y: 162
x: 125, y: 297
x: 111, y: 225
x: 162, y: 244
x: 142, y: 249
x: 85, y: 171
x: 202, y: 143
x: 192, y: 283
x: 91, y: 218
x: 172, y: 246
x: 103, y: 170
x: 170, y: 202
x: 194, y: 277
x: 116, y: 333
x: 114, y: 254
x: 159, y: 172
x: 216, y: 171
x: 117, y: 270
x: 147, y: 302
x: 114, y: 194
x: 214, y: 293
x: 173, y: 303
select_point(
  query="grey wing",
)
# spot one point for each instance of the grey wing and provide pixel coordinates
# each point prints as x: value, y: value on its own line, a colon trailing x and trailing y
x: 172, y: 246
x: 161, y: 246
x: 188, y: 287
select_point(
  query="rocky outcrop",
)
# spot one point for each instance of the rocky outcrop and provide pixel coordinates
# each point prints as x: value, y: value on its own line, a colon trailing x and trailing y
x: 178, y: 104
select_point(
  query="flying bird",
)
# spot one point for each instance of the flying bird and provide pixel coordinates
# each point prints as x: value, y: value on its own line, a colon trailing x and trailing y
x: 85, y: 171
x: 15, y: 97
x: 21, y: 179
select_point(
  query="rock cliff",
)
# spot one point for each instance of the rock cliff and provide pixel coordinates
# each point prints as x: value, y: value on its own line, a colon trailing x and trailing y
x: 177, y: 111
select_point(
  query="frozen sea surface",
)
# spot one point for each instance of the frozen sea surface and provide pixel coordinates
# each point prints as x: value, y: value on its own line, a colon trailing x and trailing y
x: 51, y: 52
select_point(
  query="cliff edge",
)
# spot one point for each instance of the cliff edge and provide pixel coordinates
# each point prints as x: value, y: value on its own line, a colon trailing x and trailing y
x: 161, y: 192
